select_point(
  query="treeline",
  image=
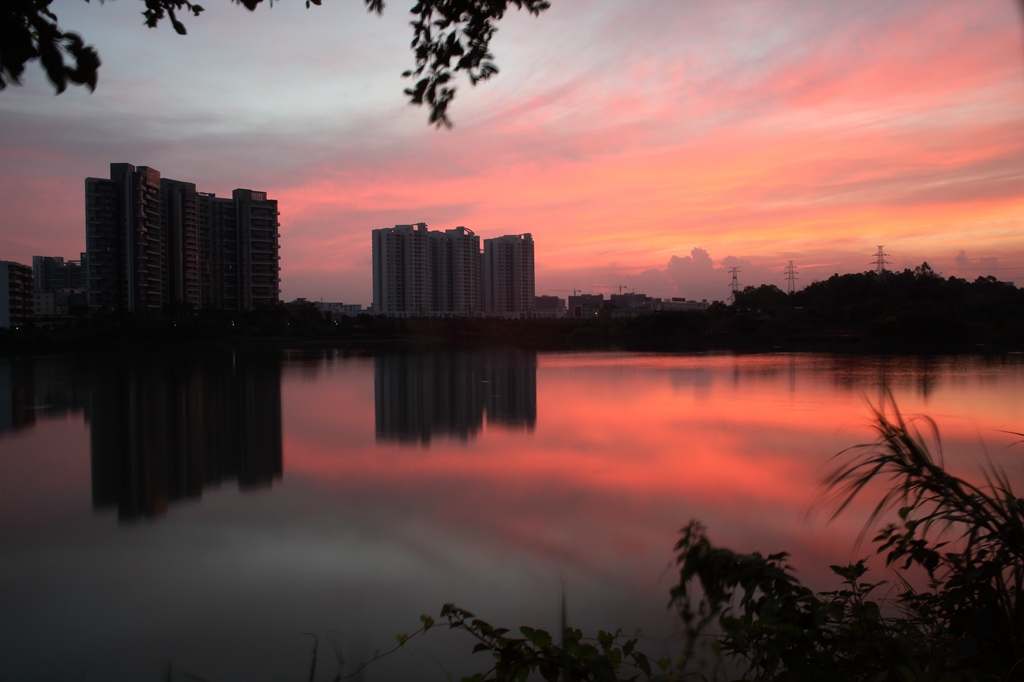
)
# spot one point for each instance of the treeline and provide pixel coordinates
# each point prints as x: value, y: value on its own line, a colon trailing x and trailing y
x: 915, y: 308
x: 910, y: 311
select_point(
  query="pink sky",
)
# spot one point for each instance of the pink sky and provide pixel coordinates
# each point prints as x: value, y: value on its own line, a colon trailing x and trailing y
x: 650, y: 144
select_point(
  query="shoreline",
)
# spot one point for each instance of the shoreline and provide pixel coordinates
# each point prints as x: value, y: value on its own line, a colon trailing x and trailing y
x: 661, y: 332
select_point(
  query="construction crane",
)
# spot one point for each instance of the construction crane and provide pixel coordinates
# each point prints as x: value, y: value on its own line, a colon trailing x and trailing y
x: 620, y: 287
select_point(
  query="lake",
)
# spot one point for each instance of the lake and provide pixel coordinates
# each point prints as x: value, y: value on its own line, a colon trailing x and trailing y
x: 200, y: 512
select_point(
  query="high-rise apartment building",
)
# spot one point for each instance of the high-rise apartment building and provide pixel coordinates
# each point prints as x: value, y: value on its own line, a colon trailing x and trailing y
x: 402, y: 271
x: 455, y: 255
x: 218, y: 236
x: 15, y: 294
x: 258, y: 257
x: 153, y: 241
x: 179, y: 205
x: 124, y: 240
x: 417, y: 272
x: 508, y: 277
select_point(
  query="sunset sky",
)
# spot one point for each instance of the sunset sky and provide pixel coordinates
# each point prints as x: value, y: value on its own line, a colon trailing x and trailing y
x: 644, y: 143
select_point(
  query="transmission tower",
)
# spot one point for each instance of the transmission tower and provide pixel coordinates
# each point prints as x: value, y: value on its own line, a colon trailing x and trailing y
x: 790, y: 271
x: 880, y: 262
x: 735, y: 285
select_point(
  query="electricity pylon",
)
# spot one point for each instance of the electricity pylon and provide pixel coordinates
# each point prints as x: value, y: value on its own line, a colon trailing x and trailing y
x: 790, y: 271
x: 880, y: 262
x: 735, y: 286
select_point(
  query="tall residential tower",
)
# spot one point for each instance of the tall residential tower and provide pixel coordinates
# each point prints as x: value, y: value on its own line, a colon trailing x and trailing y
x: 508, y: 284
x: 153, y: 241
x: 402, y: 271
x: 419, y: 273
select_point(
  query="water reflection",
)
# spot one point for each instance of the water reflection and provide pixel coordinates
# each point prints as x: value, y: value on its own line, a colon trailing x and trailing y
x: 365, y: 533
x: 33, y: 388
x: 17, y: 394
x: 164, y: 428
x: 419, y: 396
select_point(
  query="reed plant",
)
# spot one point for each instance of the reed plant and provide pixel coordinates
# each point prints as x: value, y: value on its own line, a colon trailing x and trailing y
x: 964, y: 622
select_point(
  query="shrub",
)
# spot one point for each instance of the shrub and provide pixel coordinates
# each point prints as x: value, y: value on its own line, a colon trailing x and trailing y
x: 967, y: 624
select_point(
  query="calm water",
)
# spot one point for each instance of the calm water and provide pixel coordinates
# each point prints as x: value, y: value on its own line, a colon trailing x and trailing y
x: 206, y: 511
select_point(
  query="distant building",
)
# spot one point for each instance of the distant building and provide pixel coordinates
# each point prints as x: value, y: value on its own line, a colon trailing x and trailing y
x: 548, y: 306
x: 586, y: 305
x: 58, y: 303
x: 678, y: 304
x: 632, y: 305
x: 338, y: 309
x: 53, y: 273
x: 44, y: 303
x: 153, y: 241
x: 58, y: 285
x: 633, y: 301
x: 323, y: 307
x: 420, y: 273
x: 508, y: 276
x: 15, y: 294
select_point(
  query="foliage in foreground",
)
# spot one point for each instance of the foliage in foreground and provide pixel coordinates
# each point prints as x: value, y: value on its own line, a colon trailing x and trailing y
x: 966, y: 624
x: 607, y: 658
x: 574, y: 658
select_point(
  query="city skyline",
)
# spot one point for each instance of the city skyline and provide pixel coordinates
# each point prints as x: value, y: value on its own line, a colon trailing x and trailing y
x: 754, y: 132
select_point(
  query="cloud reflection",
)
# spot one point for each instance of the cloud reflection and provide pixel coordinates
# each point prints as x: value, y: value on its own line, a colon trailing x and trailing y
x: 362, y: 533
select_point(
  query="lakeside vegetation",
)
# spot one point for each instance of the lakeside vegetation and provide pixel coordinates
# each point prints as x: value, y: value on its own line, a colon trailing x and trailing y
x: 745, y: 616
x: 909, y: 311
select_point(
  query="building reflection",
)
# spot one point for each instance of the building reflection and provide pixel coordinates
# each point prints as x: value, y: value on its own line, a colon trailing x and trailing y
x: 163, y: 428
x: 418, y: 396
x: 32, y: 389
x: 17, y: 394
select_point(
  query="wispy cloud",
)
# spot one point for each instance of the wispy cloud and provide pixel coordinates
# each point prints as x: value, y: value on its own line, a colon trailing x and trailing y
x: 620, y: 134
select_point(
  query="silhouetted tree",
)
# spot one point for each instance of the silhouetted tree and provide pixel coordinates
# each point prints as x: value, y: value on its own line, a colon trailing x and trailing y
x: 29, y: 31
x: 449, y: 36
